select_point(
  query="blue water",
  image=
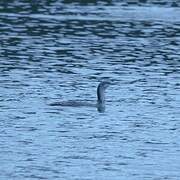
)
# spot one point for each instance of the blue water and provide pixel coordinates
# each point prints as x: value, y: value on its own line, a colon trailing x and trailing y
x: 60, y: 51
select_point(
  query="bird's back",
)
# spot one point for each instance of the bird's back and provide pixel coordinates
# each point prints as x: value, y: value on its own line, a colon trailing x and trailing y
x: 73, y: 103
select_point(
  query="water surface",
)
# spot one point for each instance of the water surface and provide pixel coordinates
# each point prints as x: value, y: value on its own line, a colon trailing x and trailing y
x: 59, y: 51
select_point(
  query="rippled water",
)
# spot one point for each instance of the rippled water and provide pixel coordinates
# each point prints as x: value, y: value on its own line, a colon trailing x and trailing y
x: 57, y: 51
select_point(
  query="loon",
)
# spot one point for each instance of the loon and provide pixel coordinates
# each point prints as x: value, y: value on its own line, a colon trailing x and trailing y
x: 100, y: 104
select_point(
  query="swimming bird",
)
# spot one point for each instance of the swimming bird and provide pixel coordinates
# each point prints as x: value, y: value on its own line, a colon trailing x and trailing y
x: 100, y: 104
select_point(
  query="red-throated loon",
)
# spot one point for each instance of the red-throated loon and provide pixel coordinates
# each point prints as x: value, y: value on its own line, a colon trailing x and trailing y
x: 100, y: 99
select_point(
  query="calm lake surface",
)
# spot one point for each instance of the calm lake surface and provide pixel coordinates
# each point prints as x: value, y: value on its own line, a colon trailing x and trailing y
x: 54, y: 51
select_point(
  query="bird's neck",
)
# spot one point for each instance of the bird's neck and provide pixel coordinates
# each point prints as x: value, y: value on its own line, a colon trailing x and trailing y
x: 100, y: 96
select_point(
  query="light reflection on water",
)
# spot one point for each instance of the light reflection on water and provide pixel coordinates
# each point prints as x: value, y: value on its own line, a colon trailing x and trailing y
x: 54, y: 57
